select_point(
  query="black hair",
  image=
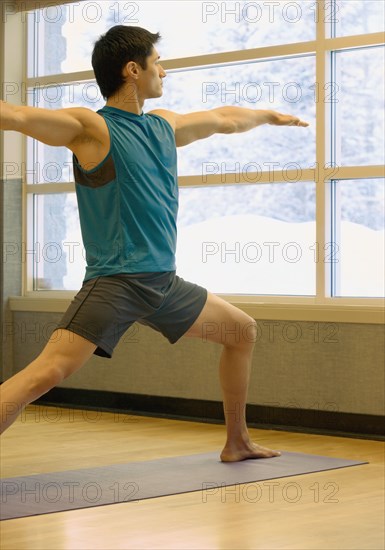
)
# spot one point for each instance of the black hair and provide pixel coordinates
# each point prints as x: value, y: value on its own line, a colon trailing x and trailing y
x: 114, y: 49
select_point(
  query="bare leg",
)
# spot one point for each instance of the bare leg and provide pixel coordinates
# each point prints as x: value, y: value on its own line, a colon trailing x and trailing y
x: 223, y: 323
x: 65, y: 353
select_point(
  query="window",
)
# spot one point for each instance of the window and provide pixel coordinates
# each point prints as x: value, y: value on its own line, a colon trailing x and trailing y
x: 359, y: 107
x: 272, y: 212
x: 357, y: 17
x: 256, y: 239
x: 358, y: 253
x: 62, y: 36
x: 284, y: 85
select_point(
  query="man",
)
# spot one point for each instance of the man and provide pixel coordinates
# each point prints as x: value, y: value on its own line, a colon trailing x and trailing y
x: 126, y: 184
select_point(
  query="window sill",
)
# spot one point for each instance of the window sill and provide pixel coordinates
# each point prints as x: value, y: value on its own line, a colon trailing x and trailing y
x: 336, y: 310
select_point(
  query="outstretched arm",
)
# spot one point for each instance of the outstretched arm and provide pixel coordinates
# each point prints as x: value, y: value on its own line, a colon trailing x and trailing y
x: 223, y: 120
x: 60, y: 128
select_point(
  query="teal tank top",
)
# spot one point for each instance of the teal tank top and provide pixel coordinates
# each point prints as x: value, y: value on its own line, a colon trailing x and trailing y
x: 128, y: 204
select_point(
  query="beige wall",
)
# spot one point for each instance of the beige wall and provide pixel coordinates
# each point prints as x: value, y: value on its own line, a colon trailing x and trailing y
x: 342, y: 371
x: 10, y: 272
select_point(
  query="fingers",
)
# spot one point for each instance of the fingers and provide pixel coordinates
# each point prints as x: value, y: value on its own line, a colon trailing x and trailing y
x: 290, y: 120
x: 294, y: 121
x: 299, y: 122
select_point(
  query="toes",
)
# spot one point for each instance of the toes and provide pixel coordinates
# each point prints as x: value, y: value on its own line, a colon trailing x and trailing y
x: 263, y: 452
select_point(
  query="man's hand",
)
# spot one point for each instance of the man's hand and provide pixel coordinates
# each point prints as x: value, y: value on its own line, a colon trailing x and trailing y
x: 278, y: 119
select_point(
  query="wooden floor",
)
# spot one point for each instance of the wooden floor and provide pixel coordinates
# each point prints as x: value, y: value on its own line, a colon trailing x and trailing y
x: 338, y: 509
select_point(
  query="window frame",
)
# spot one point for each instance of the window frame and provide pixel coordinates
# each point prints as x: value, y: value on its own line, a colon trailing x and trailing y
x: 323, y: 306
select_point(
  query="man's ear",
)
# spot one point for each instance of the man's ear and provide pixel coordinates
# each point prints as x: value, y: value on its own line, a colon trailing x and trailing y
x: 131, y: 70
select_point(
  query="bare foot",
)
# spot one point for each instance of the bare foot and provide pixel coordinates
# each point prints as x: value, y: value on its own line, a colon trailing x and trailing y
x: 234, y: 453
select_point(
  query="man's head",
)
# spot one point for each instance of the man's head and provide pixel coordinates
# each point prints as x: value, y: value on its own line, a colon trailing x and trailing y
x: 127, y: 53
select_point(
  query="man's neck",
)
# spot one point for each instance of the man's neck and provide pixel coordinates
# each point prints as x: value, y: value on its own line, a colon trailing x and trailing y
x: 126, y: 100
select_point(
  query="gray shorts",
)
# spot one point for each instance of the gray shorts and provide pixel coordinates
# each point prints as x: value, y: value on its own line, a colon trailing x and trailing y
x: 106, y: 307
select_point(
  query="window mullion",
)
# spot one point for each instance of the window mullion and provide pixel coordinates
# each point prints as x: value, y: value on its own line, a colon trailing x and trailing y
x: 335, y: 199
x: 322, y: 147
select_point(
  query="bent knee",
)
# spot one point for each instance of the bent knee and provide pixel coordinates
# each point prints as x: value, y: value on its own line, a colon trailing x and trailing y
x: 240, y: 334
x: 250, y: 331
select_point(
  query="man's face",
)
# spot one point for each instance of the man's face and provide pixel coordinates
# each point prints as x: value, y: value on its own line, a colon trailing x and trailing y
x: 150, y: 81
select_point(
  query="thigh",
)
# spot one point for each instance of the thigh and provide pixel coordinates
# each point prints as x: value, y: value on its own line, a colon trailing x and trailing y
x: 66, y: 351
x: 222, y: 323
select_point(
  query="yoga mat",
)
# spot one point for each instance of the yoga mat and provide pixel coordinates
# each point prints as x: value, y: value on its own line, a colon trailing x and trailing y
x: 133, y: 481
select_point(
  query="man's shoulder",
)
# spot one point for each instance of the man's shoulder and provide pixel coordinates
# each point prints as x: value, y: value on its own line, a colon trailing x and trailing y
x: 169, y: 116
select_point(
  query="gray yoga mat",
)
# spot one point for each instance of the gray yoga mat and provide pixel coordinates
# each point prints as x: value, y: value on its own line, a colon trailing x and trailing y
x: 133, y: 481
